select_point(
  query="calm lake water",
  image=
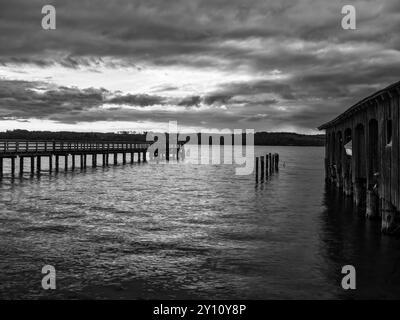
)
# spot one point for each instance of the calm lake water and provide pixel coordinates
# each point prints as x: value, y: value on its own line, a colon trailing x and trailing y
x: 190, y: 231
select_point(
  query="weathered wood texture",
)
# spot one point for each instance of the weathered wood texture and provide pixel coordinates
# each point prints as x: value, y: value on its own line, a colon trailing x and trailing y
x: 373, y: 126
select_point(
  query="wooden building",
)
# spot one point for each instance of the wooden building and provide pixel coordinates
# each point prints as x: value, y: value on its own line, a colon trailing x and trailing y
x: 363, y: 156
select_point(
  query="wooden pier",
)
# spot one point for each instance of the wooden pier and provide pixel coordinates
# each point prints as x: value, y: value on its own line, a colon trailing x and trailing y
x: 266, y: 166
x: 363, y: 155
x: 72, y: 151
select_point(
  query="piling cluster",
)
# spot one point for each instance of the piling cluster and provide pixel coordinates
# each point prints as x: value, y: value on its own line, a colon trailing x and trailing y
x: 266, y: 166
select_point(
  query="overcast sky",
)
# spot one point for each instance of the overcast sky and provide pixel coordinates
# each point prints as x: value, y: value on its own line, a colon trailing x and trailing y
x: 282, y: 65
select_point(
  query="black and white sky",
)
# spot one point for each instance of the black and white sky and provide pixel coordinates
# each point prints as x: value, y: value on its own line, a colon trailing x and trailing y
x: 110, y: 65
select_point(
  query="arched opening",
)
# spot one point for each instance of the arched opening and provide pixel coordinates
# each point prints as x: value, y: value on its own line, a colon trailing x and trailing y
x: 360, y: 152
x: 360, y: 161
x: 339, y: 140
x: 373, y: 152
x: 347, y: 135
x: 372, y: 209
x: 389, y: 132
x: 347, y: 167
x: 339, y: 158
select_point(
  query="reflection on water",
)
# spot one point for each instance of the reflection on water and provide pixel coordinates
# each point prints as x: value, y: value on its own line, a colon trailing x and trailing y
x: 190, y: 231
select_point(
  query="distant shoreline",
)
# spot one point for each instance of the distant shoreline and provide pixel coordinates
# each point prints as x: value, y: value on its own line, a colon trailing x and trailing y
x: 260, y: 138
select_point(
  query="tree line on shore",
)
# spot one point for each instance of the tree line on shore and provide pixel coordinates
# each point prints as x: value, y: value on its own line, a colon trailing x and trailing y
x: 260, y: 138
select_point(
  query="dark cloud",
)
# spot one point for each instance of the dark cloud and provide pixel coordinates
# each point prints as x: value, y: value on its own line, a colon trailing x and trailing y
x: 190, y: 101
x: 142, y: 100
x: 324, y: 68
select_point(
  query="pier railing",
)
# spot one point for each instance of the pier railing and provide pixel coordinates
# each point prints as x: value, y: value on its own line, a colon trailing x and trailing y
x: 18, y: 147
x: 13, y: 149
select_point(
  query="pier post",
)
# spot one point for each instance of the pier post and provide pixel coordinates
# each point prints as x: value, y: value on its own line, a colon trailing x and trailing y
x: 38, y: 164
x: 372, y: 210
x: 115, y: 158
x: 139, y: 157
x: 389, y: 221
x: 50, y: 163
x: 1, y: 168
x: 276, y: 162
x: 82, y: 164
x: 359, y: 194
x: 124, y: 158
x: 167, y: 152
x: 262, y: 168
x: 13, y: 166
x: 73, y: 162
x: 107, y: 158
x: 32, y: 165
x: 104, y: 160
x: 144, y: 156
x: 66, y: 163
x: 57, y: 162
x: 21, y: 166
x: 256, y: 169
x: 94, y: 160
x: 85, y: 161
x: 270, y: 163
x: 132, y: 155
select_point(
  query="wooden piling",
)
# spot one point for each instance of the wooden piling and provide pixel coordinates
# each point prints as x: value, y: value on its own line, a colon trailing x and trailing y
x: 115, y: 158
x: 50, y: 163
x: 262, y: 168
x: 270, y: 163
x: 13, y: 166
x: 57, y: 162
x: 73, y: 162
x: 123, y: 158
x: 66, y: 163
x: 32, y: 165
x: 256, y: 169
x: 38, y: 164
x: 94, y: 160
x: 1, y: 168
x: 21, y: 166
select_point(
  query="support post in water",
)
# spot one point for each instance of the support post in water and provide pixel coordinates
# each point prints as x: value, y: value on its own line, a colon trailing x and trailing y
x: 32, y: 165
x: 262, y: 168
x: 21, y: 166
x: 256, y: 169
x: 270, y: 163
x: 13, y: 166
x: 57, y: 162
x: 73, y: 162
x: 38, y: 164
x: 50, y: 164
